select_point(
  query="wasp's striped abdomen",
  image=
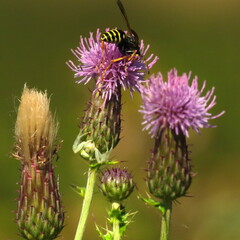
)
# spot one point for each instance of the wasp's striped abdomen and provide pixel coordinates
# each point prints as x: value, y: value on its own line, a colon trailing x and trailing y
x: 113, y: 36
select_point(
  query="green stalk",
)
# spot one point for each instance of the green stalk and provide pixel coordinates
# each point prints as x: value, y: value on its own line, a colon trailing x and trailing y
x: 116, y: 228
x: 92, y: 172
x: 166, y: 218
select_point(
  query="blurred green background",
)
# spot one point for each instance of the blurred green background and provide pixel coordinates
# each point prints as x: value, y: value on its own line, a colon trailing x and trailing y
x: 201, y: 36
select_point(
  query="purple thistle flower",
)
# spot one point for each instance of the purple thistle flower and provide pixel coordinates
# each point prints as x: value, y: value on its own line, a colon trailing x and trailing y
x: 176, y: 104
x: 95, y: 62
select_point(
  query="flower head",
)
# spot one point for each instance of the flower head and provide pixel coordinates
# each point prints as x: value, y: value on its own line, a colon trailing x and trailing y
x: 40, y: 214
x: 176, y: 104
x: 116, y: 184
x: 95, y: 62
x: 36, y: 128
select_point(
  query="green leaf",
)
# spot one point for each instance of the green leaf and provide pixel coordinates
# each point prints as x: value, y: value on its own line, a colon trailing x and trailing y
x: 107, y: 236
x: 153, y: 203
x: 98, y: 165
x: 79, y: 190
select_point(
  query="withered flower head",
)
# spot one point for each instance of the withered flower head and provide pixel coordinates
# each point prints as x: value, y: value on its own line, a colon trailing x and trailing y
x: 35, y: 128
x: 39, y: 214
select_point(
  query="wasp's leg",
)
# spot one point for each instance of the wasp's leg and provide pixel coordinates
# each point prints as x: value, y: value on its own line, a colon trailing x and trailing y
x: 111, y: 63
x: 147, y: 68
x: 134, y: 54
x: 103, y: 46
x: 129, y: 58
x: 103, y: 56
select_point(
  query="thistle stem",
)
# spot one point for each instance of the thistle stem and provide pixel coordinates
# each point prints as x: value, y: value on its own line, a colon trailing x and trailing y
x: 116, y: 235
x: 166, y: 218
x: 115, y: 221
x: 92, y: 172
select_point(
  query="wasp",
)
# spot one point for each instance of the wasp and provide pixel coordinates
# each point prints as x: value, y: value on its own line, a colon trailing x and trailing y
x: 127, y: 43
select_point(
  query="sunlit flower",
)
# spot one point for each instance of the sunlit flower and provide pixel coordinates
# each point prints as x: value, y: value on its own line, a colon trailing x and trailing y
x: 176, y: 104
x: 95, y: 62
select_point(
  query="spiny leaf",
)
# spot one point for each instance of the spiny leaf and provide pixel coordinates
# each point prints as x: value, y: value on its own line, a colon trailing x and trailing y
x: 79, y: 190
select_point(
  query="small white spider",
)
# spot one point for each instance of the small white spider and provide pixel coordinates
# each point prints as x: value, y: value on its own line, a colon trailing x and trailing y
x: 89, y: 151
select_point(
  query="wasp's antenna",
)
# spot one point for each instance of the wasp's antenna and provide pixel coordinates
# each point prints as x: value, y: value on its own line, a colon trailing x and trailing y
x: 123, y: 11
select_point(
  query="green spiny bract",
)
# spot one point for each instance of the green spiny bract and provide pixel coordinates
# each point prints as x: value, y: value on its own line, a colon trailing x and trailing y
x: 116, y: 214
x: 40, y: 215
x: 169, y: 170
x: 100, y: 127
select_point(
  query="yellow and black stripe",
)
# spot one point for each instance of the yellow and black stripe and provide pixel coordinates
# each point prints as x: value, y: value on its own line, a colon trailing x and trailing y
x: 113, y: 36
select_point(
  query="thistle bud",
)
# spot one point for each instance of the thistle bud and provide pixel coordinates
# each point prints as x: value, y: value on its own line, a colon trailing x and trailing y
x: 169, y: 171
x: 39, y: 215
x: 100, y: 127
x: 116, y: 184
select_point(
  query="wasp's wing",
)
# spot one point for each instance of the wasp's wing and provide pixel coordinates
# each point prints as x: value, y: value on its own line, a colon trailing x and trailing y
x: 123, y: 11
